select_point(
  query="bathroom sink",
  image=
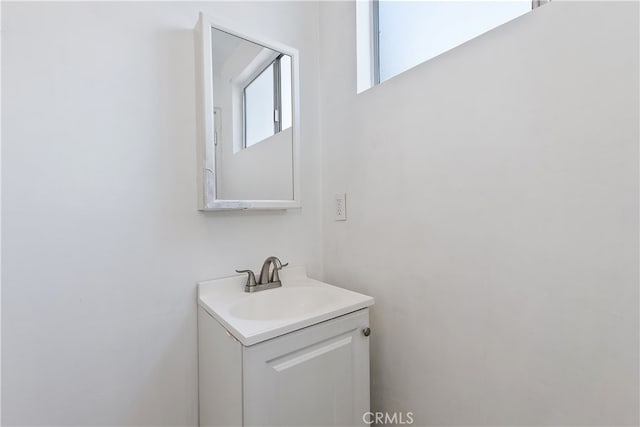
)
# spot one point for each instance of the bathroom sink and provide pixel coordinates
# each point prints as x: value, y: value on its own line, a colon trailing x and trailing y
x: 255, y: 317
x: 284, y: 302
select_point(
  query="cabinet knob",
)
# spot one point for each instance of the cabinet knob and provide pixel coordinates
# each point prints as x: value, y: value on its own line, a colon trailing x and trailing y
x: 366, y: 332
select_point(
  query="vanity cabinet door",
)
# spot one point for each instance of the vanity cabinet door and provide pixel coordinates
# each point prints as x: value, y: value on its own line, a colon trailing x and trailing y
x: 316, y: 376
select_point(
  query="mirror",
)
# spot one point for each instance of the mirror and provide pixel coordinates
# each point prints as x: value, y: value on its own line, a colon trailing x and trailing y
x: 248, y: 121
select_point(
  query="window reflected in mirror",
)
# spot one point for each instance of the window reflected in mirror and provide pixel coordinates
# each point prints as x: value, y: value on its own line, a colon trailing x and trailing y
x: 267, y: 102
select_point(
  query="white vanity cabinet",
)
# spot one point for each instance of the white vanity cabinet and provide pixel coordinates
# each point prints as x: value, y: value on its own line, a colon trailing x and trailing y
x: 296, y: 355
x: 314, y: 376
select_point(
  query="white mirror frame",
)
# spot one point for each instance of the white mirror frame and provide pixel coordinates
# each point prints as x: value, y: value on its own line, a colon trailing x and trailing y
x: 206, y: 161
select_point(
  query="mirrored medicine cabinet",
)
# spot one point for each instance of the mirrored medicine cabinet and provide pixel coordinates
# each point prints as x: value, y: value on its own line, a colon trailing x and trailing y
x: 248, y: 119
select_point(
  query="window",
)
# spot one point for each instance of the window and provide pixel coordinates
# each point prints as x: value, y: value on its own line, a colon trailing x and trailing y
x: 403, y: 34
x: 267, y: 102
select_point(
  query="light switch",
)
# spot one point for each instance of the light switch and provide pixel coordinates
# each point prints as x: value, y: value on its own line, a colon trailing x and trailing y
x: 341, y: 207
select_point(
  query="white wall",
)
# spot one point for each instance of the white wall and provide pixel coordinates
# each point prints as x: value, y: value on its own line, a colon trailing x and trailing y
x: 492, y: 200
x: 263, y: 171
x: 102, y: 243
x: 1, y: 32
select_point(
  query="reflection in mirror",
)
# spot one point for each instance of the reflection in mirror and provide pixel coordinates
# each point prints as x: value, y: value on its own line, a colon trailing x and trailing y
x: 252, y: 100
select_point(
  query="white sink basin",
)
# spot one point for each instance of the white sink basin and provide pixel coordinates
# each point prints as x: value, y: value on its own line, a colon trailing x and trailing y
x: 284, y: 302
x: 255, y: 317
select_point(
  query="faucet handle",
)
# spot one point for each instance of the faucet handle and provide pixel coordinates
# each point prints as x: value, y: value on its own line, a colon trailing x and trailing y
x: 274, y: 274
x: 251, y: 278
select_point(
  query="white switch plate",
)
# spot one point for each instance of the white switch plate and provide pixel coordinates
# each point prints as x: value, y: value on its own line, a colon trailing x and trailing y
x: 341, y: 207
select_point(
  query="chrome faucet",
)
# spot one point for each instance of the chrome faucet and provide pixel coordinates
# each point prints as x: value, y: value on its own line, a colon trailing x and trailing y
x: 269, y: 278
